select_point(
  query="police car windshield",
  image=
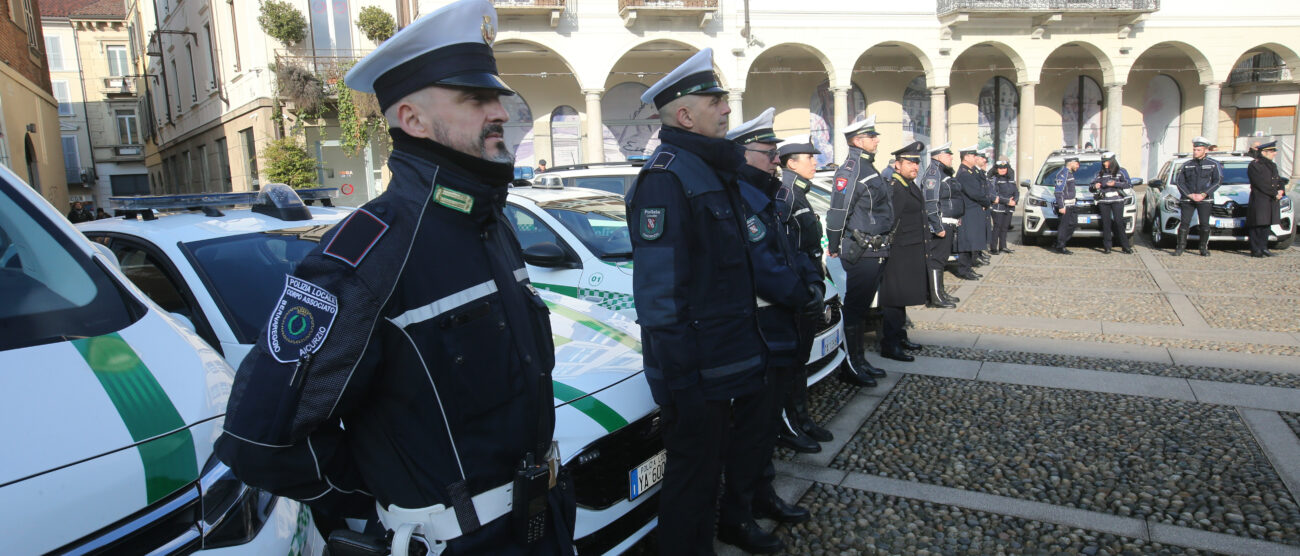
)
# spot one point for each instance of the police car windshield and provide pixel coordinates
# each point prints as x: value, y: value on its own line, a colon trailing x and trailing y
x: 52, y: 290
x: 598, y: 222
x: 1083, y: 176
x: 245, y: 273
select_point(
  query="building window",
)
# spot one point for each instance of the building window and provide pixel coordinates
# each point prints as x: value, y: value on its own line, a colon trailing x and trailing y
x: 176, y: 83
x: 331, y: 29
x: 71, y: 158
x: 234, y: 34
x: 203, y: 168
x: 127, y: 132
x: 54, y: 54
x: 566, y: 136
x: 212, y: 58
x: 194, y: 82
x: 28, y: 14
x: 117, y: 61
x: 129, y: 184
x: 64, y: 97
x: 223, y: 164
x: 250, y: 158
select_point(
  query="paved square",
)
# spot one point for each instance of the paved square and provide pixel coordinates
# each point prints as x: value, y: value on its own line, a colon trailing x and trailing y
x: 1069, y: 304
x: 1072, y: 278
x: 1266, y: 284
x: 1281, y: 314
x: 1083, y: 257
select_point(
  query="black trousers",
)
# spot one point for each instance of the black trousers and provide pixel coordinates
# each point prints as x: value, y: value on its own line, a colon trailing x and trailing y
x: 1185, y: 209
x: 750, y: 444
x: 892, y: 329
x: 1112, y: 223
x: 1258, y: 238
x: 1001, y: 220
x: 695, y: 433
x: 940, y: 248
x: 1069, y: 221
x: 965, y: 263
x: 863, y: 280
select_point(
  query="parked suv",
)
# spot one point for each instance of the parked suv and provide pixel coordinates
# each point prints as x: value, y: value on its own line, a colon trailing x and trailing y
x: 1228, y: 215
x: 1040, y: 219
x: 611, y: 177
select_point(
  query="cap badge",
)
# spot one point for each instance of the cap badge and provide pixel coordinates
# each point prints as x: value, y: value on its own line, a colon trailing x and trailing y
x: 489, y: 31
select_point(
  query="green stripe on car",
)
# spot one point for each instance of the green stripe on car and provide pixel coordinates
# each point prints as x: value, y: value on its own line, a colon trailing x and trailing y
x: 604, y: 415
x: 169, y: 461
x: 606, y: 330
x: 562, y: 290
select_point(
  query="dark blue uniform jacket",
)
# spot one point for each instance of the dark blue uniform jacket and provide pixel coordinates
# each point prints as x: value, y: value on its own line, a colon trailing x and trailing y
x: 860, y: 200
x: 942, y: 195
x: 691, y: 280
x: 434, y: 375
x: 1199, y: 176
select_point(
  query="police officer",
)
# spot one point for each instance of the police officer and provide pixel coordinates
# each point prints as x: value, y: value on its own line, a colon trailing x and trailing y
x: 943, y: 211
x: 786, y: 284
x: 416, y: 386
x: 972, y: 236
x: 904, y: 282
x: 982, y: 163
x: 694, y: 293
x: 1005, y: 195
x: 1197, y: 180
x: 1266, y: 190
x: 798, y: 166
x: 858, y: 228
x: 1067, y: 213
x: 1110, y: 188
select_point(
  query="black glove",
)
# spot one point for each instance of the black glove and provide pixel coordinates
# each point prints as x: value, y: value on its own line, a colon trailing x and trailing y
x: 818, y: 300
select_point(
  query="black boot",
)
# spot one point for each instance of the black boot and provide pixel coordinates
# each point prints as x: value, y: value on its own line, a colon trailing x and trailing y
x: 1205, y: 241
x: 1182, y: 241
x: 789, y: 435
x: 750, y: 537
x: 767, y: 505
x: 796, y: 410
x: 896, y: 353
x: 909, y: 345
x: 854, y: 370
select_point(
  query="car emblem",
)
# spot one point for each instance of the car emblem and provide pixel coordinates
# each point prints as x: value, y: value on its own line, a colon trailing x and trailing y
x: 1230, y: 205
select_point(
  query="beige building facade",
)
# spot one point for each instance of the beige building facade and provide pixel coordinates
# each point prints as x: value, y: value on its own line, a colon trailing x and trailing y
x: 1026, y: 77
x: 29, y: 119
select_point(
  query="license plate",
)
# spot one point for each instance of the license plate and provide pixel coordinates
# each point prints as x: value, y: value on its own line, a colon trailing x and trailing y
x: 646, y: 475
x: 1085, y: 220
x: 829, y: 343
x: 1228, y: 223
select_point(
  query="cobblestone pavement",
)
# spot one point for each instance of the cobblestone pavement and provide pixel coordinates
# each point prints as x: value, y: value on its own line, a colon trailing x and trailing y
x: 938, y: 465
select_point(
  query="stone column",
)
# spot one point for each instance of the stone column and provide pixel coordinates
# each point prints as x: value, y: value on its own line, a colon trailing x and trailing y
x: 938, y: 116
x: 1025, y: 164
x: 1114, y: 116
x: 595, y: 151
x: 1210, y: 117
x: 841, y: 117
x: 736, y: 99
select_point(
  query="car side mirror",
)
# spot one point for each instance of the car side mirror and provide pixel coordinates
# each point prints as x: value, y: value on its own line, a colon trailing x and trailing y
x: 1135, y: 181
x: 1024, y: 183
x: 547, y: 255
x: 1156, y: 184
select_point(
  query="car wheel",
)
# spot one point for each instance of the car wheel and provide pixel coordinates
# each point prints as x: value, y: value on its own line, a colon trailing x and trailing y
x: 1286, y: 243
x: 1025, y: 237
x: 1146, y: 223
x: 1158, y: 236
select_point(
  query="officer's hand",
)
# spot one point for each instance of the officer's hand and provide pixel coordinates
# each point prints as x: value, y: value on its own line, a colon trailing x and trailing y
x: 1061, y: 210
x: 816, y: 300
x: 1011, y: 202
x: 833, y: 255
x: 942, y: 233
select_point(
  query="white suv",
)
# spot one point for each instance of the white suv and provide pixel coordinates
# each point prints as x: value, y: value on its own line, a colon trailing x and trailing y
x: 612, y: 177
x: 1041, y: 222
x: 1227, y: 216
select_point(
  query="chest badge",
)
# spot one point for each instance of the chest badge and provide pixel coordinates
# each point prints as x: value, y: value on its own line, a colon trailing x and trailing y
x: 453, y: 199
x: 652, y: 223
x: 757, y: 231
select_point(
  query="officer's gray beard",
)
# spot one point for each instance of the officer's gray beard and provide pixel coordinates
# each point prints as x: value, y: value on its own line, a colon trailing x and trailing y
x: 500, y: 153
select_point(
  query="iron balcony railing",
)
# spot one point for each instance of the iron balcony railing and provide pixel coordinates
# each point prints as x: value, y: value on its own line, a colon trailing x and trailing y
x: 320, y: 61
x: 684, y: 4
x: 507, y: 4
x: 1132, y: 6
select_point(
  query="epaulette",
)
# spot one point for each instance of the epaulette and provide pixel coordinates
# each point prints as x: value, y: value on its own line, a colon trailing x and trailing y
x: 661, y: 161
x: 356, y: 236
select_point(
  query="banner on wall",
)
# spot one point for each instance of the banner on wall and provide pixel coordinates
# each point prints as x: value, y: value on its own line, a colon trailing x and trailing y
x: 1161, y: 118
x: 916, y: 112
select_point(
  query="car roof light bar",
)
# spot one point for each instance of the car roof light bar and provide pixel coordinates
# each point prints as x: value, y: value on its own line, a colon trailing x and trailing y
x: 275, y: 199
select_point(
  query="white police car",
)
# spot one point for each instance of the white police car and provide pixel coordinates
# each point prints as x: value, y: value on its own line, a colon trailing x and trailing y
x: 1227, y: 216
x: 576, y: 242
x: 110, y: 409
x: 222, y: 270
x: 1041, y: 221
x: 612, y: 177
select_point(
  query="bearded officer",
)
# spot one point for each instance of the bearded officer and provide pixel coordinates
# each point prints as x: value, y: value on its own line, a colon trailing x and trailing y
x: 858, y: 222
x: 1197, y: 180
x: 1266, y: 190
x: 421, y: 388
x: 942, y: 211
x: 903, y: 282
x: 971, y: 238
x: 786, y: 284
x: 798, y: 166
x: 694, y: 293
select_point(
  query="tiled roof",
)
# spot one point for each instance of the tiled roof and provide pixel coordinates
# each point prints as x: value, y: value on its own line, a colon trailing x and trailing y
x: 83, y: 8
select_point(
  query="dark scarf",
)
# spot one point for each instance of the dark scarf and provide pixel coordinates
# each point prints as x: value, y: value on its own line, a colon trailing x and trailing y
x: 725, y: 157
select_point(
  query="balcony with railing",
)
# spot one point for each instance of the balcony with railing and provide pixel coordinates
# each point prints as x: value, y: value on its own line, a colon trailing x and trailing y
x: 629, y: 10
x: 946, y: 7
x: 551, y: 8
x: 117, y: 86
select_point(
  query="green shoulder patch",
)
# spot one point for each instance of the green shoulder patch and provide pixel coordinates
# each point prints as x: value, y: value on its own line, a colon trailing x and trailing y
x: 652, y: 223
x: 453, y: 199
x: 757, y: 231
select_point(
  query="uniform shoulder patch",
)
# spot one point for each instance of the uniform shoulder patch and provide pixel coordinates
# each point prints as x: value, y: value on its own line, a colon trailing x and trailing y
x: 652, y: 223
x: 301, y: 320
x: 662, y: 160
x: 841, y: 183
x: 453, y: 199
x: 931, y: 183
x: 757, y: 231
x: 356, y: 237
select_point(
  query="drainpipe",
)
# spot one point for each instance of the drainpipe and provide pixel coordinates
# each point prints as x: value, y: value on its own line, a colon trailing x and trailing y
x: 745, y: 31
x: 85, y: 110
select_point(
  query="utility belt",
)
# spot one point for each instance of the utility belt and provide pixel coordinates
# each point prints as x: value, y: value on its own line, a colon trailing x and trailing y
x: 1001, y: 208
x: 872, y: 242
x: 951, y: 221
x: 524, y: 498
